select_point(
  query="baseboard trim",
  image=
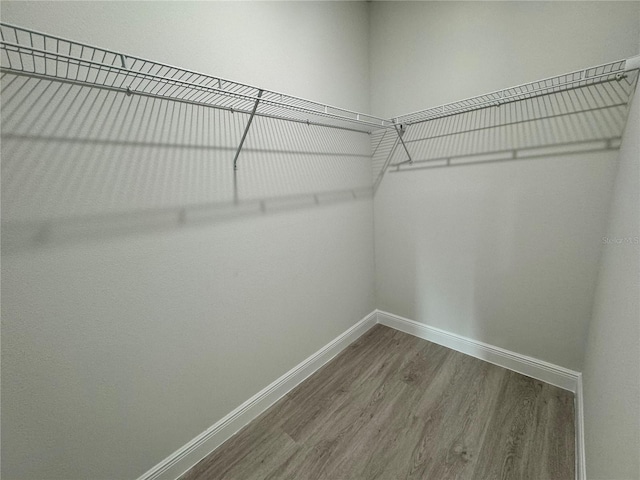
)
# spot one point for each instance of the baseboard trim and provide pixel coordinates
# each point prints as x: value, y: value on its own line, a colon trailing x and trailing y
x: 581, y: 461
x: 187, y: 456
x: 532, y: 367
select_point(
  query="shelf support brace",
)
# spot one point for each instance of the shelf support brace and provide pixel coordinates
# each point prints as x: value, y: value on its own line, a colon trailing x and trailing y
x: 400, y: 129
x: 246, y: 130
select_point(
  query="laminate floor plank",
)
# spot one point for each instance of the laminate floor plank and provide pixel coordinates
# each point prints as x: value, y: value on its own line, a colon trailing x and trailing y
x: 551, y: 450
x: 455, y: 449
x: 389, y: 455
x: 354, y: 427
x: 392, y: 406
x: 519, y: 442
x: 320, y: 399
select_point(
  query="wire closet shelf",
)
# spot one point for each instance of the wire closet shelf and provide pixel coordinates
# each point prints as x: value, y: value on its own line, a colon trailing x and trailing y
x: 36, y: 54
x: 616, y: 71
x: 580, y: 110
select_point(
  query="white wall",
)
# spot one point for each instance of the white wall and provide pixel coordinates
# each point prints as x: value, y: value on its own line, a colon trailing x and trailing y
x: 612, y: 360
x: 125, y: 335
x: 424, y: 54
x: 505, y: 253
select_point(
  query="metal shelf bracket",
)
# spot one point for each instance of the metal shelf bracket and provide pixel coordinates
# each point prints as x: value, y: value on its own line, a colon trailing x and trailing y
x: 246, y: 130
x: 400, y: 130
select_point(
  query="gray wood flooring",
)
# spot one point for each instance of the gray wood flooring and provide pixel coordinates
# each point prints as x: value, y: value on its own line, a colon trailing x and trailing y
x: 392, y: 406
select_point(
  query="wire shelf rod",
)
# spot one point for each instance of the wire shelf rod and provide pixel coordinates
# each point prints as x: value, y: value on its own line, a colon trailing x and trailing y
x: 39, y: 55
x: 191, y: 102
x: 159, y: 64
x: 492, y: 104
x: 110, y: 68
x: 163, y: 72
x: 518, y: 122
x: 614, y: 71
x: 173, y: 94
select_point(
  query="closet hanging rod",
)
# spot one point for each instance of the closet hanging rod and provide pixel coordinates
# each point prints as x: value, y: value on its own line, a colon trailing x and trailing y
x: 609, y: 72
x: 32, y: 53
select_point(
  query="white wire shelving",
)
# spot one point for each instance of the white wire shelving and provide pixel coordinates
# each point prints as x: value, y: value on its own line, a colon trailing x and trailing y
x: 414, y: 137
x: 586, y: 109
x: 598, y: 75
x: 37, y: 54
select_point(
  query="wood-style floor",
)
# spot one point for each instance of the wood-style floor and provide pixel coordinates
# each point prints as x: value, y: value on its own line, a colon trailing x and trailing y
x: 392, y: 406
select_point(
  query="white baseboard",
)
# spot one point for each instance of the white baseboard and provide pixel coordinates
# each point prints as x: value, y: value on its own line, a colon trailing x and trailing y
x: 581, y: 462
x: 187, y: 456
x: 532, y: 367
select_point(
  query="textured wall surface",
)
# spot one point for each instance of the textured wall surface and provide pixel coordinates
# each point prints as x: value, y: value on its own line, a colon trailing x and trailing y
x: 505, y: 252
x: 612, y: 360
x: 140, y: 304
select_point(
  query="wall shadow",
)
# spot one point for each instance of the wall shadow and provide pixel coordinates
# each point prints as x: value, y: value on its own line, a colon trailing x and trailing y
x: 81, y: 163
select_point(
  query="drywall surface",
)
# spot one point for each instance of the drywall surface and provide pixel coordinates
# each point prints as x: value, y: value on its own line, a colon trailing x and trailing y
x: 506, y: 253
x: 140, y: 302
x: 612, y: 368
x: 424, y: 54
